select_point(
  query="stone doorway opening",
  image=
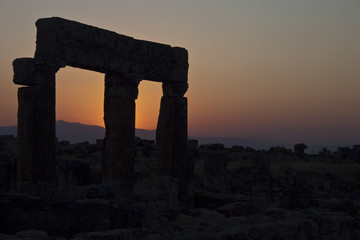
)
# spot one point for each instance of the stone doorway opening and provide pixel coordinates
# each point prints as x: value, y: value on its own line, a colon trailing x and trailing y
x: 80, y: 96
x: 148, y: 105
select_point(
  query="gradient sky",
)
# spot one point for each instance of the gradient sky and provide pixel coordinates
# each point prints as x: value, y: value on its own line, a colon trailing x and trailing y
x: 284, y: 70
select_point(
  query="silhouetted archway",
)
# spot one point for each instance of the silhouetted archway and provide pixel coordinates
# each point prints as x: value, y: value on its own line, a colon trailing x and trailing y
x: 125, y: 61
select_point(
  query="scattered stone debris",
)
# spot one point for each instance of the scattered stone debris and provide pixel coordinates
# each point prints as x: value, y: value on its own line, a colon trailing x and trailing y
x: 261, y: 197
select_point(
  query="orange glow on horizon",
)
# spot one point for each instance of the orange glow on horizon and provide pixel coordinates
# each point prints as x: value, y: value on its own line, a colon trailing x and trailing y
x: 283, y: 70
x: 148, y: 105
x: 80, y: 98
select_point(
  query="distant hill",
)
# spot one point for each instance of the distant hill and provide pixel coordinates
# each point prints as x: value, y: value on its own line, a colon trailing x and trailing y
x: 78, y: 132
x: 229, y: 142
x: 9, y: 130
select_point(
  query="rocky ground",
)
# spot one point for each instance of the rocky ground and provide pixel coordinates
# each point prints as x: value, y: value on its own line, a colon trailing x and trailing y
x: 239, y: 193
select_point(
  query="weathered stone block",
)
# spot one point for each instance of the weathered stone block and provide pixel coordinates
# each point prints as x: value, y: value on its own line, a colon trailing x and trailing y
x: 121, y: 85
x: 174, y: 89
x: 70, y: 174
x: 26, y: 72
x: 65, y: 217
x: 33, y: 234
x: 116, y: 234
x: 95, y: 192
x: 63, y: 42
x: 169, y: 187
x: 147, y: 194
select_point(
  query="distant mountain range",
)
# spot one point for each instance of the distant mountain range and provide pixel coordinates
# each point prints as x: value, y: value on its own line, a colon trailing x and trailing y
x: 78, y: 132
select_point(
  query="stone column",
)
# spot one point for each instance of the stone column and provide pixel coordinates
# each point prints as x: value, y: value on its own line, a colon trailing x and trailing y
x: 171, y: 139
x: 36, y: 127
x: 119, y: 117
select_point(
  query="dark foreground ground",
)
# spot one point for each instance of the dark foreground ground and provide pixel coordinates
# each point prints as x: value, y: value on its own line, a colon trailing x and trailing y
x: 239, y: 193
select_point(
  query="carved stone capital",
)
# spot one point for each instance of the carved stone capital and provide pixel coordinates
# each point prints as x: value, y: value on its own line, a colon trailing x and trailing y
x: 121, y: 84
x: 174, y: 89
x: 29, y: 72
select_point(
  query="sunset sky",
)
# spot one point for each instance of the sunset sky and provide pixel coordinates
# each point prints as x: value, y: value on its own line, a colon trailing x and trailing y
x: 282, y: 70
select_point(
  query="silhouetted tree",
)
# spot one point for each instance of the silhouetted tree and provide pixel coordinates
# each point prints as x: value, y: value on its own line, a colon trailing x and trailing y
x: 237, y: 148
x: 213, y: 146
x: 250, y: 149
x: 299, y: 148
x: 279, y: 149
x: 324, y: 151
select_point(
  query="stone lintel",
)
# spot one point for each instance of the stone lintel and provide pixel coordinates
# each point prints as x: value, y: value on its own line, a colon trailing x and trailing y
x: 63, y: 42
x: 31, y: 73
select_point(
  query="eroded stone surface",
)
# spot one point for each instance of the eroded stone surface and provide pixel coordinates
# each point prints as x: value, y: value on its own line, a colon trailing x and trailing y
x: 63, y: 42
x: 119, y: 118
x: 28, y: 72
x: 174, y: 89
x: 65, y: 217
x: 36, y: 134
x: 116, y: 234
x: 171, y: 141
x: 32, y: 234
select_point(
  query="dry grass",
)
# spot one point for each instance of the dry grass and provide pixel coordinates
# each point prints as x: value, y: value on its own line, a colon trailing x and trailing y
x: 344, y: 171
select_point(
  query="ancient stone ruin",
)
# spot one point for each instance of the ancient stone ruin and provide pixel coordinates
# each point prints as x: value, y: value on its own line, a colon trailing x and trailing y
x: 125, y: 61
x: 125, y: 187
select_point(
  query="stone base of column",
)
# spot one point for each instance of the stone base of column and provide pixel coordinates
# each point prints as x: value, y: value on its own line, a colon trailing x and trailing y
x: 169, y: 192
x: 171, y: 141
x: 40, y: 189
x: 36, y: 172
x: 123, y: 190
